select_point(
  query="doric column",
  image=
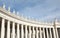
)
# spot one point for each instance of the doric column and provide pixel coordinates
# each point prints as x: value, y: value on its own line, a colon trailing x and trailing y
x: 47, y: 32
x: 18, y: 32
x: 22, y: 31
x: 57, y: 33
x: 54, y: 33
x: 50, y: 33
x: 36, y: 32
x: 8, y: 29
x: 13, y: 30
x: 25, y: 31
x: 2, y: 28
x: 44, y: 32
x: 29, y: 31
x: 33, y: 33
x: 40, y: 33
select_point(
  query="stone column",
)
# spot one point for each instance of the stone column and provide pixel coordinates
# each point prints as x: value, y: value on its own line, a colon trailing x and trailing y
x: 50, y: 33
x: 22, y: 31
x: 57, y: 33
x: 29, y: 31
x: 18, y: 32
x: 33, y: 33
x: 25, y: 31
x: 2, y: 28
x: 47, y: 32
x: 44, y: 32
x: 54, y: 33
x: 36, y: 32
x: 13, y: 30
x: 8, y: 29
x: 40, y: 33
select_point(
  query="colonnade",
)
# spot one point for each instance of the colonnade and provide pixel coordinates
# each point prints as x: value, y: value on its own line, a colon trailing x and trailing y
x: 11, y: 29
x: 16, y: 30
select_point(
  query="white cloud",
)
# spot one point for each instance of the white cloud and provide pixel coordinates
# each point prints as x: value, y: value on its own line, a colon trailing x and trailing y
x: 46, y: 11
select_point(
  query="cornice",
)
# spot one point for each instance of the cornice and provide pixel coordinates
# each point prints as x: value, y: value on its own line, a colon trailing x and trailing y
x: 4, y: 11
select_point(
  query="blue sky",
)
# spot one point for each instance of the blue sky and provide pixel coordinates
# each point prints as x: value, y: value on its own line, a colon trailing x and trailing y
x: 38, y: 9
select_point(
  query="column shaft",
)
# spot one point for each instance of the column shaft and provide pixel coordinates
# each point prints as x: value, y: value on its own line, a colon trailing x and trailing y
x: 22, y: 31
x: 57, y: 33
x: 33, y: 33
x: 36, y: 32
x: 13, y: 30
x: 47, y: 32
x: 44, y: 32
x: 50, y: 33
x: 18, y: 32
x: 3, y: 28
x: 54, y: 33
x: 25, y: 31
x: 40, y: 33
x: 8, y: 29
x: 29, y: 31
